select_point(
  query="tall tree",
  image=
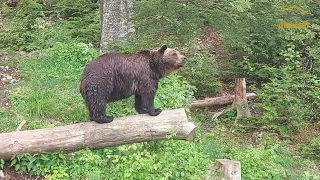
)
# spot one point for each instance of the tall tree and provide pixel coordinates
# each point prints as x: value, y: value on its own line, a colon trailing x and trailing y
x: 115, y: 22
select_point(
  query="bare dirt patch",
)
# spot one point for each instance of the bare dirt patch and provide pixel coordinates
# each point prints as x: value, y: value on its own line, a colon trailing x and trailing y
x: 311, y: 131
x: 213, y: 40
x: 4, y: 56
x: 10, y: 174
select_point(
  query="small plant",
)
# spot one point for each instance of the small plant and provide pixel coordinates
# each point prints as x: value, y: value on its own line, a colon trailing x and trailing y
x: 1, y: 164
x: 58, y: 173
x: 37, y: 164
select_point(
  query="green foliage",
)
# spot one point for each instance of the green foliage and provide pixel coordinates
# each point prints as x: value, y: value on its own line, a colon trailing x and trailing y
x: 86, y: 164
x: 311, y: 149
x: 291, y: 99
x: 310, y: 176
x: 31, y: 11
x: 169, y: 22
x: 154, y: 160
x: 201, y: 71
x: 34, y: 27
x: 260, y: 164
x: 37, y: 164
x: 70, y: 9
x: 58, y: 173
x: 1, y: 164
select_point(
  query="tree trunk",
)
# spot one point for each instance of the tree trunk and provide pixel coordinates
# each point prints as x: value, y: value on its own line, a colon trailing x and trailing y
x: 240, y: 101
x: 125, y: 130
x: 219, y: 101
x: 115, y: 22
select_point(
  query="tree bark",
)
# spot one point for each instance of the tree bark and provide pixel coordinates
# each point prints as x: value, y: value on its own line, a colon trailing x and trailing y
x: 125, y: 130
x: 115, y: 22
x: 219, y: 101
x: 240, y: 101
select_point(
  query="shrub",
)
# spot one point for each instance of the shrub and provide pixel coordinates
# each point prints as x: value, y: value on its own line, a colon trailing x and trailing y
x: 37, y: 164
x: 34, y: 27
x: 154, y: 160
x: 201, y: 71
x: 291, y: 99
x: 311, y: 149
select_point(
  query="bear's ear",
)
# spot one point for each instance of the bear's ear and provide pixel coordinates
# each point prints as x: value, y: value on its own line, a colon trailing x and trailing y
x: 145, y: 52
x: 162, y: 49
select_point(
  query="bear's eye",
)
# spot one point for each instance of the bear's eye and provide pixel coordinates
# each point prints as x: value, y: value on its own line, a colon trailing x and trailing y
x: 174, y: 53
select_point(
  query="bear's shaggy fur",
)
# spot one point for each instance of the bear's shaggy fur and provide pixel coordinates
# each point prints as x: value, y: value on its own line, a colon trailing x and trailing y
x: 112, y: 76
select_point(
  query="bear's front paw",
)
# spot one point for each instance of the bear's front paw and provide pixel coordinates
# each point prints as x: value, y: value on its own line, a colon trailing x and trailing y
x: 155, y: 112
x: 107, y: 119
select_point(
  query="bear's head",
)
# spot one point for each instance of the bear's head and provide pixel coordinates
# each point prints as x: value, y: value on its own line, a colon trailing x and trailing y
x: 172, y: 59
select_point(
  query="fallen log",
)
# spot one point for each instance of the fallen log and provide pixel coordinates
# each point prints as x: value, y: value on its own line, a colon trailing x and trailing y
x: 219, y: 101
x: 124, y: 130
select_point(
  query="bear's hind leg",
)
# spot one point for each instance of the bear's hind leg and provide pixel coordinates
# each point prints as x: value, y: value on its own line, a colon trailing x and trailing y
x: 148, y: 104
x: 99, y: 113
x: 138, y: 105
x: 96, y: 100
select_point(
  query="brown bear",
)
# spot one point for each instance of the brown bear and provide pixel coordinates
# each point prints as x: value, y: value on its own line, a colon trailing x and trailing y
x: 113, y: 76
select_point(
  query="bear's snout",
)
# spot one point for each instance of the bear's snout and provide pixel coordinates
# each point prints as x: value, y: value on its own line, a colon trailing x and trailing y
x: 182, y: 60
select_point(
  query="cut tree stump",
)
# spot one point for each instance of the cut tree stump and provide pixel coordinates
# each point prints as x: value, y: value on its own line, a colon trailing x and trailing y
x: 220, y: 101
x: 231, y: 170
x: 224, y: 169
x: 124, y: 130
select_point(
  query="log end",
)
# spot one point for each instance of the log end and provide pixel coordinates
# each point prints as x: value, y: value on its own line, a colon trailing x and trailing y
x: 192, y: 134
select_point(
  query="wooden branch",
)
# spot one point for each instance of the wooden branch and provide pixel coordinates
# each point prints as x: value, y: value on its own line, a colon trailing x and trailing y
x: 124, y: 130
x: 219, y: 101
x: 21, y: 125
x: 224, y: 111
